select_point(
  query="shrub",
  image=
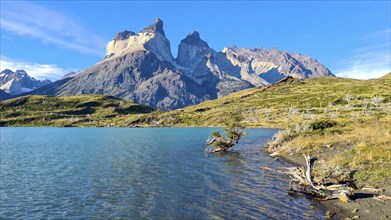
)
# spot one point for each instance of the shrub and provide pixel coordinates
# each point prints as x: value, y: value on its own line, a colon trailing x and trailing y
x: 321, y: 125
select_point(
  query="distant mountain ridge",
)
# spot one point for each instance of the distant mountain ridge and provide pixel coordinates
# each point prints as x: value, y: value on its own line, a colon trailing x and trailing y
x: 140, y: 67
x: 15, y: 83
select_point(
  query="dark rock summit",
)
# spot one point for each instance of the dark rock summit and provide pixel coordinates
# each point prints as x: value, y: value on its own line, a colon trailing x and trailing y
x: 140, y: 67
x: 123, y: 35
x: 194, y: 39
x: 157, y: 26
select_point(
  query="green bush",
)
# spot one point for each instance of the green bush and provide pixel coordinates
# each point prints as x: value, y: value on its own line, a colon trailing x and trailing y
x: 321, y: 125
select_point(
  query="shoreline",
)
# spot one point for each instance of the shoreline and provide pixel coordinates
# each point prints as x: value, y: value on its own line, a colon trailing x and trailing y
x: 364, y: 205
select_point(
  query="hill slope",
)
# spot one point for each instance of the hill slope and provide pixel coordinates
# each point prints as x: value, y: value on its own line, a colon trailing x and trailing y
x: 66, y: 111
x: 298, y: 96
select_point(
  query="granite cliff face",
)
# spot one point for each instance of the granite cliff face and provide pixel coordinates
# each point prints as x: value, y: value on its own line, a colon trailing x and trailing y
x: 273, y: 65
x: 140, y: 67
x: 15, y: 83
x: 151, y: 38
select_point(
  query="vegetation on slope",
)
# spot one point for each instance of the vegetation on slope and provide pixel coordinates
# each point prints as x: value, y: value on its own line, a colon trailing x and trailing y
x: 67, y: 111
x: 289, y: 102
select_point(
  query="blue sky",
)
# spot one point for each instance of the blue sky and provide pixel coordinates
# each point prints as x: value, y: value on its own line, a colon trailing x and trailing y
x: 51, y: 38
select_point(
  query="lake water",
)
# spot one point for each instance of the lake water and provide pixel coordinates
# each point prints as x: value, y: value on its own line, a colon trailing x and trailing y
x: 141, y: 173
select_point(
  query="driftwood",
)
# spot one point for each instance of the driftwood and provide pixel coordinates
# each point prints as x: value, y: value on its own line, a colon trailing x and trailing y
x: 373, y: 190
x: 302, y: 183
x: 382, y: 198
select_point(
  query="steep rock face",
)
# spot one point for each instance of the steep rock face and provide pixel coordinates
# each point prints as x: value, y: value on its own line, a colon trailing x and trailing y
x: 218, y: 79
x: 151, y: 38
x: 138, y: 76
x: 7, y: 75
x: 273, y: 65
x: 191, y: 51
x: 19, y: 82
x: 209, y: 68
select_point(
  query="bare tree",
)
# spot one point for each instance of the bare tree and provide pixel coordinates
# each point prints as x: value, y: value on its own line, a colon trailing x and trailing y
x: 364, y: 107
x: 348, y: 97
x: 377, y: 100
x: 292, y: 111
x: 328, y: 108
x: 335, y: 114
x: 267, y: 113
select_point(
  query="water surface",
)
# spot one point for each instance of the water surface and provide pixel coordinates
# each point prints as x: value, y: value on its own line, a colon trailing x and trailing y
x: 140, y: 173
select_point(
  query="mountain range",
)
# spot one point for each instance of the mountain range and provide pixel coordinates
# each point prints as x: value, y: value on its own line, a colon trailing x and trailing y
x: 18, y: 82
x: 140, y: 67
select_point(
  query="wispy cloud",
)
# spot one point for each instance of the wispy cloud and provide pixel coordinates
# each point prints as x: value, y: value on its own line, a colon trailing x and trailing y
x: 369, y: 62
x: 36, y: 70
x: 28, y: 19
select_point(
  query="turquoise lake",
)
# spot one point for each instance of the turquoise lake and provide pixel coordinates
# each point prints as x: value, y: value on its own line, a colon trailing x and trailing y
x: 141, y: 173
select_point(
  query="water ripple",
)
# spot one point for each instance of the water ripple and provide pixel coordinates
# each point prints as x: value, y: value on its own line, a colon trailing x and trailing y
x: 50, y: 173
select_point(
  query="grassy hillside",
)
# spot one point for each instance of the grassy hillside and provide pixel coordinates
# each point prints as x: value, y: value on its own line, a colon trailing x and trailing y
x: 81, y: 110
x: 284, y: 104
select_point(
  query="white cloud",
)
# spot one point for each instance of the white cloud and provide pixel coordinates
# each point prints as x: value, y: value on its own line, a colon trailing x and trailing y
x: 369, y: 62
x: 369, y: 65
x: 28, y: 19
x: 36, y: 70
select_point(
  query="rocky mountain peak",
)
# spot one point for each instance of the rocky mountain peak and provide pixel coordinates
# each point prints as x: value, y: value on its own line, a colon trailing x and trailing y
x: 21, y: 73
x: 193, y: 38
x: 151, y: 38
x: 156, y: 27
x: 6, y: 72
x: 192, y: 51
x: 18, y: 82
x: 123, y: 35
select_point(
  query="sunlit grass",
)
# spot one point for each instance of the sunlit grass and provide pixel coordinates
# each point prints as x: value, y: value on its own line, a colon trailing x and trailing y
x: 80, y: 110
